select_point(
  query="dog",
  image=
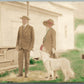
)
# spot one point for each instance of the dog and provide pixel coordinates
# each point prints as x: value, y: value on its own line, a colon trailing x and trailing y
x: 52, y: 65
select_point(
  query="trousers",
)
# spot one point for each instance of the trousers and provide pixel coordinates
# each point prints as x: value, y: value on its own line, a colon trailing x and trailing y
x: 23, y: 54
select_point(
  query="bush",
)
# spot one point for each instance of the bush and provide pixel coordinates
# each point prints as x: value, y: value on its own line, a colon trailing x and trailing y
x: 79, y: 40
x: 78, y: 22
x: 32, y: 61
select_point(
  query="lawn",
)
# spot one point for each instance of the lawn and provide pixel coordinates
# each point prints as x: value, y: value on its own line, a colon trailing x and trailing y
x: 79, y: 41
x: 77, y: 65
x: 74, y: 56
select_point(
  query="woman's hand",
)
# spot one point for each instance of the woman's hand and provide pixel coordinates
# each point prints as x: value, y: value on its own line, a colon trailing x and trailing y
x: 43, y: 49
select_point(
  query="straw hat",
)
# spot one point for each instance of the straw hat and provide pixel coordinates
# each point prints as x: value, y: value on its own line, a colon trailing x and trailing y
x: 25, y: 17
x: 49, y: 21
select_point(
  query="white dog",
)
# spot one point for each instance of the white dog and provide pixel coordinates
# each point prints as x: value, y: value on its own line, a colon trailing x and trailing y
x: 52, y: 65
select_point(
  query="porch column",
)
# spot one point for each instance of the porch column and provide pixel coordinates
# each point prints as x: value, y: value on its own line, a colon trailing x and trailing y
x: 27, y: 8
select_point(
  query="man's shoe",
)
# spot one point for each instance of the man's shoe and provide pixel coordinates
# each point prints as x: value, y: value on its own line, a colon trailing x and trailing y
x: 19, y: 75
x: 26, y: 76
x: 46, y: 77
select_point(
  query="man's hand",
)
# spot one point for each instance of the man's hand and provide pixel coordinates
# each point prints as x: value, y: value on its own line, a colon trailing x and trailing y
x: 53, y: 50
x: 32, y: 49
x: 17, y: 48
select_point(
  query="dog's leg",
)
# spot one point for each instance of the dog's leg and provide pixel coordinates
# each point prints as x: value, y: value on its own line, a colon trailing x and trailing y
x: 70, y: 73
x: 55, y: 75
x: 48, y: 75
x: 48, y: 70
x: 52, y: 74
x: 65, y: 74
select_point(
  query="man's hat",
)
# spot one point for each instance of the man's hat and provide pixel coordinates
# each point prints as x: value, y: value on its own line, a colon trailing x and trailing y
x: 49, y: 21
x: 25, y: 17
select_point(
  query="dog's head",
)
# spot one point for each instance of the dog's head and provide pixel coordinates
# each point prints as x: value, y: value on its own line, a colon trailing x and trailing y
x: 44, y: 55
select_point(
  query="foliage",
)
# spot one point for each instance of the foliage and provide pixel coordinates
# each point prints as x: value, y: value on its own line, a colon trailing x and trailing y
x: 39, y: 66
x: 78, y: 22
x: 32, y: 61
x: 79, y: 41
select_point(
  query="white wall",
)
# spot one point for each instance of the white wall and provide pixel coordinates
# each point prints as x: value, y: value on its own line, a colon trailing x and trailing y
x: 65, y: 24
x: 65, y: 33
x: 10, y: 22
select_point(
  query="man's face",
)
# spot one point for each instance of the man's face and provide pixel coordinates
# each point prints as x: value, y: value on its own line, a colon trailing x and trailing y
x: 24, y: 21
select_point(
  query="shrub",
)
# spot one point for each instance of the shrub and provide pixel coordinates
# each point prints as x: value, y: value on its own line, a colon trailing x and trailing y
x: 32, y: 61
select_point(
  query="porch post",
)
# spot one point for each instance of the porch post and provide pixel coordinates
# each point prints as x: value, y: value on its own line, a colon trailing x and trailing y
x: 27, y: 8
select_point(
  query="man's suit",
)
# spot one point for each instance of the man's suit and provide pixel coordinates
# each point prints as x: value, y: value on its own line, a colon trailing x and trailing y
x: 25, y: 43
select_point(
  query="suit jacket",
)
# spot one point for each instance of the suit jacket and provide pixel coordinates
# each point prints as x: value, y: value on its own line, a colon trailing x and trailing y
x: 25, y: 38
x: 49, y: 40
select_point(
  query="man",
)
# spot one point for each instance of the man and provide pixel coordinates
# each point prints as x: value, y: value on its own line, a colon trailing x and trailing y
x: 24, y: 45
x: 49, y: 41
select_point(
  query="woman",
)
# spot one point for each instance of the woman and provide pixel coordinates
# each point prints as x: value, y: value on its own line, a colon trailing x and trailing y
x: 49, y: 41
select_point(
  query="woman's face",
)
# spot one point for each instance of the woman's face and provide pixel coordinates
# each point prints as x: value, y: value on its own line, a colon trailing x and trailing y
x: 48, y: 25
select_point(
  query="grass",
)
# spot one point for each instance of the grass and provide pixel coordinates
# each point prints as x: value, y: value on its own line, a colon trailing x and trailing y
x: 77, y: 65
x: 39, y: 66
x: 8, y: 72
x: 79, y: 41
x: 32, y: 61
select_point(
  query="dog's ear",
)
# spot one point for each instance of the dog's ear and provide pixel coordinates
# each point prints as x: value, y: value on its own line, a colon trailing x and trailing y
x: 48, y: 55
x: 41, y: 53
x: 41, y: 57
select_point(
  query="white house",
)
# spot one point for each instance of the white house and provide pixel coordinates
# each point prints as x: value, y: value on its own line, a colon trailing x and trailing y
x: 10, y: 13
x: 61, y: 13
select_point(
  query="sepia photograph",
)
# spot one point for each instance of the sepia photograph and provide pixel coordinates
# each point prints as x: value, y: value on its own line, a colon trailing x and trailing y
x: 41, y: 41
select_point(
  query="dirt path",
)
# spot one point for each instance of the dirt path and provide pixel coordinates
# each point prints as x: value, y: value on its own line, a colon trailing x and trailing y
x: 32, y: 76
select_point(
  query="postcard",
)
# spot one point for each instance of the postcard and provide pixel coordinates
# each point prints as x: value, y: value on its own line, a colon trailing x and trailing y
x: 41, y: 41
